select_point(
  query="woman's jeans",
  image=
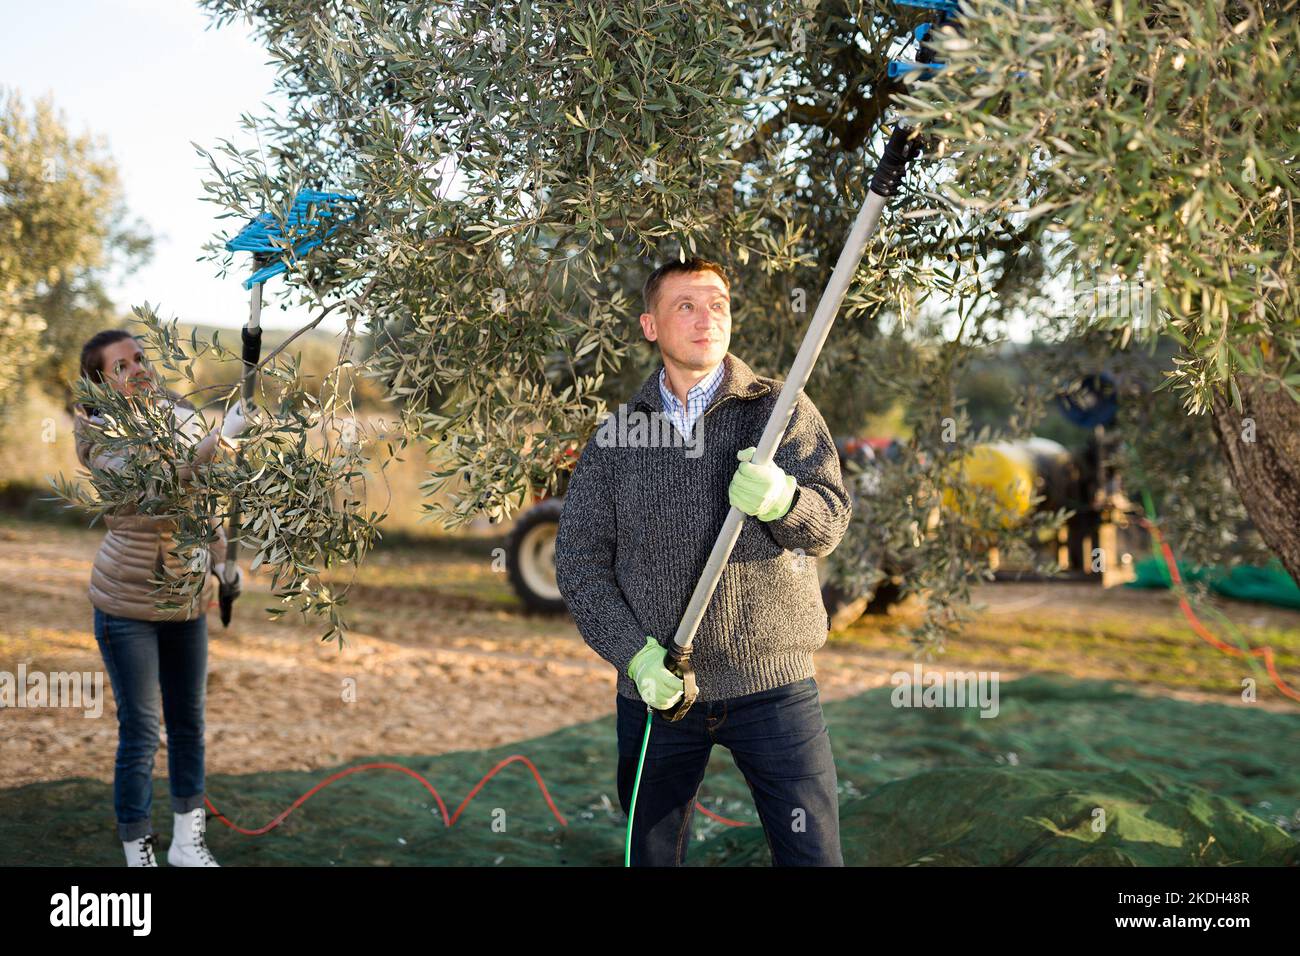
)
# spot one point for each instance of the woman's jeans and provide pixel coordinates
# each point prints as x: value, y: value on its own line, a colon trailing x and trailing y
x: 141, y: 657
x: 779, y: 741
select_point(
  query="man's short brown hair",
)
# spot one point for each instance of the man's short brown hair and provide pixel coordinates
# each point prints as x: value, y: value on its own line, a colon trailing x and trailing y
x: 650, y: 291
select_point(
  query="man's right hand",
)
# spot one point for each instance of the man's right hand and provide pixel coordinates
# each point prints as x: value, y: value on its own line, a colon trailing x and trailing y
x: 658, y: 686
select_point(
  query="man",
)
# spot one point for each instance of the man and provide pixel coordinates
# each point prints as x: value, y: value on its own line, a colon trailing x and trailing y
x: 635, y: 534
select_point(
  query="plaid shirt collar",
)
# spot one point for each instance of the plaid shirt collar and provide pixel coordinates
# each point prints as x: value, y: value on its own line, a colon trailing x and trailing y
x: 738, y: 380
x: 697, y: 399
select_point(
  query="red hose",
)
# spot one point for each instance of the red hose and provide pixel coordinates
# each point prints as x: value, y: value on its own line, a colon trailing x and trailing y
x: 1201, y: 631
x: 723, y: 820
x: 449, y: 821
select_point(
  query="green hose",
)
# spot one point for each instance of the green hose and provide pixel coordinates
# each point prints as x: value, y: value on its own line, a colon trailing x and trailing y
x: 640, y: 764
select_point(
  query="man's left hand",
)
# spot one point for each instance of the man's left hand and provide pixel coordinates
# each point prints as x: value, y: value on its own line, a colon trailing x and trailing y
x: 766, y: 492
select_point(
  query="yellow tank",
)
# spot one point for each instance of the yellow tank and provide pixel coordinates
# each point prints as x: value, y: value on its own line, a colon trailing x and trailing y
x: 1008, y: 470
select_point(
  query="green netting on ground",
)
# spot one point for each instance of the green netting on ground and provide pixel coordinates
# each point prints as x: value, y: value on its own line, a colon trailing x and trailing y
x: 1269, y: 584
x: 1015, y: 816
x: 942, y: 784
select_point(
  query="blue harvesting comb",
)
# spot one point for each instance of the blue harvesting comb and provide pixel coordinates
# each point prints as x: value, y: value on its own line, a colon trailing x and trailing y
x: 263, y: 236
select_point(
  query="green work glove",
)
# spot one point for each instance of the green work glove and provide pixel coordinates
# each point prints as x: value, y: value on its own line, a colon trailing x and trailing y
x: 766, y: 492
x: 658, y: 686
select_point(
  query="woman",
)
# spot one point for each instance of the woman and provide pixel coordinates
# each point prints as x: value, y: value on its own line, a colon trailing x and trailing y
x: 145, y: 649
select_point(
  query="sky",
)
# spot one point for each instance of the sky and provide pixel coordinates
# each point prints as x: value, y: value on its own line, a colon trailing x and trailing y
x: 149, y: 77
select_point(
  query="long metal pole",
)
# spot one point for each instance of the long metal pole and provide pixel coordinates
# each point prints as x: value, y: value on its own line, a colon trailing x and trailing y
x: 252, y: 337
x: 827, y: 309
x: 900, y: 149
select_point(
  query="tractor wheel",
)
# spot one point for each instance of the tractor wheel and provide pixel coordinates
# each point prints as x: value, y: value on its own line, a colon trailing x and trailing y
x: 530, y: 557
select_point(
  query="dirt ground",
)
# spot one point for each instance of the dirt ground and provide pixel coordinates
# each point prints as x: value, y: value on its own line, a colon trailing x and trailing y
x: 441, y: 656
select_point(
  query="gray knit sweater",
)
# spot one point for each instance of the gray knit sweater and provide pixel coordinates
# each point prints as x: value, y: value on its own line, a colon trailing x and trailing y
x: 640, y: 519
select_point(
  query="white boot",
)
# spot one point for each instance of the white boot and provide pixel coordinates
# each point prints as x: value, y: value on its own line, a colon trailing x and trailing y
x: 188, y: 848
x: 140, y: 852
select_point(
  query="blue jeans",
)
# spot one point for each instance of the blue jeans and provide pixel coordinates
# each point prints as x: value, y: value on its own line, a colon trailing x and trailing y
x: 779, y: 741
x: 141, y: 657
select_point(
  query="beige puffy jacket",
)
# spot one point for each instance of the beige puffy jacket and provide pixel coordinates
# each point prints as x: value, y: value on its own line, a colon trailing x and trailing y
x: 136, y: 547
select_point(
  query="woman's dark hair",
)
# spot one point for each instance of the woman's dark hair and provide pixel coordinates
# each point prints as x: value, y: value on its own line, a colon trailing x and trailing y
x: 92, y: 363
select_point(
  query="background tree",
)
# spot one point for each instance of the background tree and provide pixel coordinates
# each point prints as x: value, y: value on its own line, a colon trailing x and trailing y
x: 63, y: 234
x: 1156, y: 143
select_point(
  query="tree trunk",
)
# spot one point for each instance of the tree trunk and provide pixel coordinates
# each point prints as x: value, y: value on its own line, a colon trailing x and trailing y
x: 1262, y: 446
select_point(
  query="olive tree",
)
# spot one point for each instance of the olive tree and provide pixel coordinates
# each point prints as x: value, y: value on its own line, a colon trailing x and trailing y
x: 521, y: 167
x: 1156, y: 143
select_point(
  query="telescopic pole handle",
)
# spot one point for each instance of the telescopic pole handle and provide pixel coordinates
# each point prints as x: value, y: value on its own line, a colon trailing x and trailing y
x: 252, y: 339
x: 252, y: 353
x: 900, y: 149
